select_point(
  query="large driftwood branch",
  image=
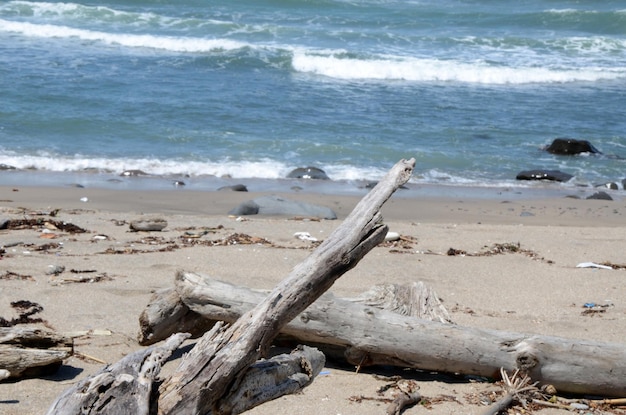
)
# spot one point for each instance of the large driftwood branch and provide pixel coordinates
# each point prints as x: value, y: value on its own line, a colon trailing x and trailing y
x: 167, y: 312
x: 219, y: 360
x: 371, y: 336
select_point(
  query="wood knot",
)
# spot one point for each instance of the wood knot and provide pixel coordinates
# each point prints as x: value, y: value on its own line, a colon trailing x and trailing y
x: 526, y: 361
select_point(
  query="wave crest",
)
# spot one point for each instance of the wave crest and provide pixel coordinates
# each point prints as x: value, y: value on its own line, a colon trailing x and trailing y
x: 433, y: 70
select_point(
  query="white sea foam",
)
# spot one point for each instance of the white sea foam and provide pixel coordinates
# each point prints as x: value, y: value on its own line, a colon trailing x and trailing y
x: 64, y: 10
x: 260, y: 169
x: 169, y: 43
x: 433, y: 70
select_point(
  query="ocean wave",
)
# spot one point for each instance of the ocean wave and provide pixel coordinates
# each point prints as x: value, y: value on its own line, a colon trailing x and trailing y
x: 168, y: 43
x: 258, y: 169
x: 434, y: 70
x: 75, y: 12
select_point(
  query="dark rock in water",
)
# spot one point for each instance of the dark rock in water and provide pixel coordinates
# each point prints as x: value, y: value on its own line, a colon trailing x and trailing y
x: 178, y: 183
x: 614, y: 186
x: 552, y: 175
x: 275, y: 205
x: 600, y: 196
x: 7, y: 167
x: 132, y: 173
x: 148, y: 225
x: 570, y: 146
x: 234, y: 188
x: 308, y: 173
x: 4, y: 223
x: 610, y: 185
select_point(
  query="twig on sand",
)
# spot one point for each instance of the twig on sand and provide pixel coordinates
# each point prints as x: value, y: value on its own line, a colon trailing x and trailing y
x: 515, y: 387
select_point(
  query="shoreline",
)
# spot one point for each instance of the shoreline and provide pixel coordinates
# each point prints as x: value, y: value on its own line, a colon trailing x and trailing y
x: 421, y: 203
x: 415, y: 188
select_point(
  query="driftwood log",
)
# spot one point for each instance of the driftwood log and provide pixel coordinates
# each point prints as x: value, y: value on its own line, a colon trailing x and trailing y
x: 368, y: 335
x: 218, y: 363
x: 126, y: 387
x: 167, y: 312
x: 30, y: 351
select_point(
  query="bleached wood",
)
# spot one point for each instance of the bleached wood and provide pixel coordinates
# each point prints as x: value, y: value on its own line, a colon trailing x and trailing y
x: 165, y: 315
x: 32, y: 351
x: 371, y: 336
x: 270, y: 379
x: 123, y: 388
x: 218, y: 364
x: 220, y: 359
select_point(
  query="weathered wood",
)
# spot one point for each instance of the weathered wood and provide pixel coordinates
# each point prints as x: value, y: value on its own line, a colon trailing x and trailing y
x: 124, y: 388
x: 31, y: 351
x: 217, y: 366
x: 414, y: 300
x: 165, y: 315
x: 219, y: 359
x: 269, y: 379
x: 371, y: 336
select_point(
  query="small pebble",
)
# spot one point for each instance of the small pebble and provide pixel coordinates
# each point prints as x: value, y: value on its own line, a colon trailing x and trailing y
x: 55, y: 269
x: 148, y: 225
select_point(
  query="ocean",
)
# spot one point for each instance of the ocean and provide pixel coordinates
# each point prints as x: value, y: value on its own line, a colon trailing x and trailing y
x: 251, y: 89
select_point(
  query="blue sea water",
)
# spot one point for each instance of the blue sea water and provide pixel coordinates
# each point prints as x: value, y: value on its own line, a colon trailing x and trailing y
x: 472, y: 89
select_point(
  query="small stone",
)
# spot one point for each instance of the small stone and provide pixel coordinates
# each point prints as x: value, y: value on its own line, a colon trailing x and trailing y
x: 234, y: 188
x: 148, y: 225
x: 600, y: 196
x: 55, y: 269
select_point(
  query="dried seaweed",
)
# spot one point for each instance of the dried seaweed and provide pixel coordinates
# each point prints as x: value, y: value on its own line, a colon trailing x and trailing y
x: 16, y: 224
x: 614, y: 266
x: 10, y: 275
x: 25, y: 310
x: 241, y: 239
x: 498, y: 249
x: 82, y: 278
x: 46, y: 247
x: 404, y: 245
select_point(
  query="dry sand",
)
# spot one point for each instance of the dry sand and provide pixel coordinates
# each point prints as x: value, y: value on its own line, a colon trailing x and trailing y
x: 539, y: 292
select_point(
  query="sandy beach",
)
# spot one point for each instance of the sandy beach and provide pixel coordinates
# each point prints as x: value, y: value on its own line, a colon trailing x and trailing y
x: 538, y: 289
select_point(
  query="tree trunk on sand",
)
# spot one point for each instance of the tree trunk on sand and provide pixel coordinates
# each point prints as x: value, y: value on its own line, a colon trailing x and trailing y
x: 166, y: 312
x: 367, y: 335
x: 218, y: 363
